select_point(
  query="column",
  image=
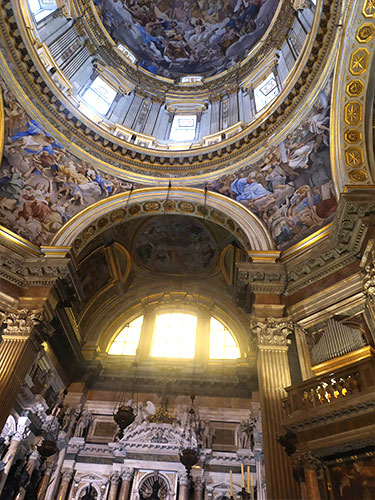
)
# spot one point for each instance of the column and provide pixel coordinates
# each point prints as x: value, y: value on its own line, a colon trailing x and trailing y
x: 32, y: 463
x: 66, y: 477
x: 17, y: 438
x: 198, y: 488
x: 183, y: 481
x: 46, y: 478
x: 273, y: 376
x: 114, y: 482
x: 310, y: 466
x: 21, y: 341
x: 52, y: 487
x: 126, y: 477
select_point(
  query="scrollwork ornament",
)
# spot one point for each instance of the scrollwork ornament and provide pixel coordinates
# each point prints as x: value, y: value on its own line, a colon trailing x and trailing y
x: 272, y: 332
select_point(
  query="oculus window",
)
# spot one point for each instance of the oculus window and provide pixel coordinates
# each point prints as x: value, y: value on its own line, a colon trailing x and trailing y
x: 99, y: 95
x: 127, y: 340
x: 41, y: 8
x: 265, y: 92
x: 174, y: 336
x: 222, y: 342
x: 183, y: 128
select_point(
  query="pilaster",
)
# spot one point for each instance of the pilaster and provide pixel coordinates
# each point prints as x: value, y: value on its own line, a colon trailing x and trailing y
x: 273, y: 375
x: 22, y: 336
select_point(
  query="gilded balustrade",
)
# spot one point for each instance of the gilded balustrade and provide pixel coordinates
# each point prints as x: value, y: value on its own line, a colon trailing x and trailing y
x: 331, y: 387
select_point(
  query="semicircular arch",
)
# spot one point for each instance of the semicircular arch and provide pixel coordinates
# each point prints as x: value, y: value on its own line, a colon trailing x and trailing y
x: 228, y: 213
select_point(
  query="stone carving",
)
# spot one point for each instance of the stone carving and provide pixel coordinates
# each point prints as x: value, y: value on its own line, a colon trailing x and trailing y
x: 368, y: 264
x: 245, y: 432
x: 83, y: 424
x: 272, y: 332
x: 127, y: 474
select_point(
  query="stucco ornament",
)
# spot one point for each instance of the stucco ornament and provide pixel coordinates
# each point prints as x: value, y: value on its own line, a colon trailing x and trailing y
x: 272, y: 331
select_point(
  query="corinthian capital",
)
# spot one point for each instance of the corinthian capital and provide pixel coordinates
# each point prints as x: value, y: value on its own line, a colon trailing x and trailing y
x: 127, y: 474
x: 21, y: 322
x: 272, y: 332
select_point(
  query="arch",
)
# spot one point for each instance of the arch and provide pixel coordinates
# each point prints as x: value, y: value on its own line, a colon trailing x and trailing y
x: 103, y: 320
x: 230, y: 214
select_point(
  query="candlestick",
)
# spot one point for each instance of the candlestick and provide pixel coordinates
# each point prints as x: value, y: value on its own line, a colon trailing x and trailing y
x: 252, y: 488
x: 242, y: 476
x: 248, y: 479
x: 231, y: 483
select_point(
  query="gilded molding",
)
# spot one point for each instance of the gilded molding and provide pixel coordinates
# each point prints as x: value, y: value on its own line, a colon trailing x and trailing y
x: 348, y: 112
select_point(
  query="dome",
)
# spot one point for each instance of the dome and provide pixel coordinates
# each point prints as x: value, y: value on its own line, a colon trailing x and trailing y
x: 180, y: 37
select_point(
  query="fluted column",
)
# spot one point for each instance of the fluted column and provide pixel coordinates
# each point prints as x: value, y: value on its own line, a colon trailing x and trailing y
x: 198, y: 488
x: 311, y: 465
x: 273, y: 376
x: 30, y: 467
x: 114, y: 482
x: 126, y: 477
x: 21, y: 341
x: 66, y: 477
x: 183, y: 481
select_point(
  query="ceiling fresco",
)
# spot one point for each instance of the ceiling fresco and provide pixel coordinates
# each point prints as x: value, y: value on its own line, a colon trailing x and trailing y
x: 175, y: 244
x: 42, y: 185
x: 174, y: 37
x: 290, y: 188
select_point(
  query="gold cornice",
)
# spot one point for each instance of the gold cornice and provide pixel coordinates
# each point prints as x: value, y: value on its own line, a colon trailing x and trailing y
x: 305, y: 244
x: 342, y: 361
x: 23, y: 246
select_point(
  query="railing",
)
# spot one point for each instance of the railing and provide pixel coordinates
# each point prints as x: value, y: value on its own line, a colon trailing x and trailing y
x: 331, y: 387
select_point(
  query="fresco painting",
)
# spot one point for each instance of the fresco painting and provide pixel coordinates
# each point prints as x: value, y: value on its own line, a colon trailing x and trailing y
x: 177, y: 37
x: 353, y: 479
x: 175, y: 244
x: 290, y: 188
x: 41, y: 184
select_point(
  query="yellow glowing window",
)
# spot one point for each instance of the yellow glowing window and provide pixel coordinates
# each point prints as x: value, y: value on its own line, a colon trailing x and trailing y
x: 174, y: 336
x: 127, y: 340
x: 222, y: 343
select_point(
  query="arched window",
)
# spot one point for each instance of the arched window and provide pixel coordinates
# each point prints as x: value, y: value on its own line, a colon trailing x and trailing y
x: 222, y: 342
x: 174, y: 336
x: 127, y: 340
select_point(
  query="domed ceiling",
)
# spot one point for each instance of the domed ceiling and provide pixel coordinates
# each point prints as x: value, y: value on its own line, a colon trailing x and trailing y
x: 176, y: 37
